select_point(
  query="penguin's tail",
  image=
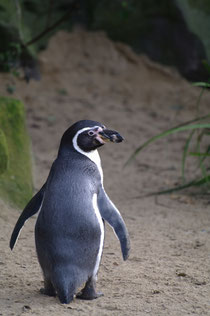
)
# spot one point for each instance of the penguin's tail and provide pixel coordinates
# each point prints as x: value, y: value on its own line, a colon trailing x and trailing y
x: 65, y: 285
x: 66, y: 295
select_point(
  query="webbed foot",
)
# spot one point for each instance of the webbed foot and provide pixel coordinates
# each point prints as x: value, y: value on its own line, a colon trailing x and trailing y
x: 89, y: 292
x: 48, y: 289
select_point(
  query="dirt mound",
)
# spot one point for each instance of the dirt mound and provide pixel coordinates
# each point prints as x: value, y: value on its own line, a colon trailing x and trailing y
x: 85, y: 75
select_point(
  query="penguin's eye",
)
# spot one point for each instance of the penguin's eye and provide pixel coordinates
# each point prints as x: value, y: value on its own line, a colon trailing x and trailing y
x: 91, y: 133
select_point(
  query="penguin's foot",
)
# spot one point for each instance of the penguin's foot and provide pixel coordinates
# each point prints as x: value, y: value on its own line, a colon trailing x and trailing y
x: 48, y: 288
x: 49, y: 292
x: 65, y: 299
x: 88, y: 295
x: 89, y: 292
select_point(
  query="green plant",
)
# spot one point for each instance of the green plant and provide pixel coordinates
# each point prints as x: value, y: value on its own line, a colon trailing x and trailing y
x: 10, y: 57
x: 199, y: 128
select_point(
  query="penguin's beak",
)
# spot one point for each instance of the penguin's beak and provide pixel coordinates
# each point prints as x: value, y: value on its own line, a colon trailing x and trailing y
x: 108, y: 135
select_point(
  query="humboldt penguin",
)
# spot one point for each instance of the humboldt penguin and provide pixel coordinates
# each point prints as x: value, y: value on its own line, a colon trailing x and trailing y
x: 72, y: 206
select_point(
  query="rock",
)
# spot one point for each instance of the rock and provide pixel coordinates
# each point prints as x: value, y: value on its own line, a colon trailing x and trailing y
x: 3, y: 153
x: 15, y: 166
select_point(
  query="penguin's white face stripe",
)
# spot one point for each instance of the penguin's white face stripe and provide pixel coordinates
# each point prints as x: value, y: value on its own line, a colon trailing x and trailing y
x: 92, y: 155
x: 99, y: 218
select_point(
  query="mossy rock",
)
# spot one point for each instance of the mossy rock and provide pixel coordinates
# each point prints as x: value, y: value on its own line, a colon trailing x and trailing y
x: 3, y: 153
x: 16, y: 184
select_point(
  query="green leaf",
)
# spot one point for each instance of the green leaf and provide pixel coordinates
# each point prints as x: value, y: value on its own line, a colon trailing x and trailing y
x: 199, y: 154
x: 201, y: 164
x: 184, y: 155
x: 199, y: 182
x: 201, y: 84
x: 180, y: 128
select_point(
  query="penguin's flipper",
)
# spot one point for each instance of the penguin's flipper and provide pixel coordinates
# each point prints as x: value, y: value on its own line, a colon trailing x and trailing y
x: 110, y: 213
x: 31, y: 208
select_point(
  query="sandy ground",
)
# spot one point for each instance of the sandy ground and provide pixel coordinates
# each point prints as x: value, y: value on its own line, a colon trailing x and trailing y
x: 85, y: 75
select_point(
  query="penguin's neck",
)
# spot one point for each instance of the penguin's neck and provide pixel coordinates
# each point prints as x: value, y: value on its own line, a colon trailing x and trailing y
x: 92, y: 155
x: 95, y: 157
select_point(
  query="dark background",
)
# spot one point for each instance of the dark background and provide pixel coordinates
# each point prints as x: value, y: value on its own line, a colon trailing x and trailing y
x: 172, y: 32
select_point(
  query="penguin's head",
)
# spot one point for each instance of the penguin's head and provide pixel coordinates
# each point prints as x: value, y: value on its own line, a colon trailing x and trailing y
x: 88, y: 135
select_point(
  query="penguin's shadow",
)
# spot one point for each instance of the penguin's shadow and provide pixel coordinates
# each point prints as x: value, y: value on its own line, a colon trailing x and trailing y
x: 31, y: 298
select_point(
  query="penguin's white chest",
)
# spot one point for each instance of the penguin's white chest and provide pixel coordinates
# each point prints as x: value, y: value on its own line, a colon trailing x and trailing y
x: 101, y: 224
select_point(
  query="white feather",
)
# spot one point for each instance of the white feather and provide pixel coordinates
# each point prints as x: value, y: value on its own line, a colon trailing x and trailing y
x: 101, y: 224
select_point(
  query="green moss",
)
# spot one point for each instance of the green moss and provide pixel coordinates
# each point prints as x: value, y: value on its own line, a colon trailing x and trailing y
x: 16, y: 182
x: 3, y: 153
x: 8, y: 12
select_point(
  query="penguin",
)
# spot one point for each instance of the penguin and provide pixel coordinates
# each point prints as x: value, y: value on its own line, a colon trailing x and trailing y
x: 72, y: 207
